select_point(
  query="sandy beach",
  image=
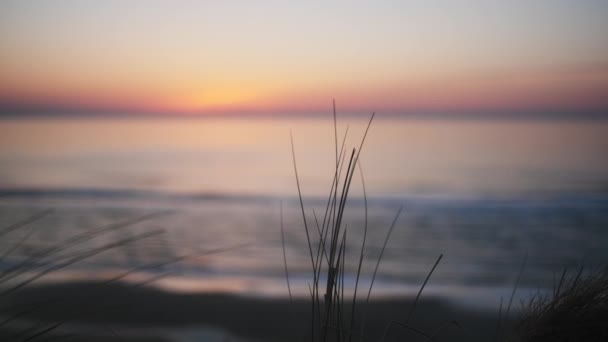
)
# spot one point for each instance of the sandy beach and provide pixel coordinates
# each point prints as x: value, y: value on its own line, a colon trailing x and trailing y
x: 148, y: 314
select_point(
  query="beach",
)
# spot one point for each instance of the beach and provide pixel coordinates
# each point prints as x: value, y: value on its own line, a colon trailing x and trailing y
x: 103, y: 308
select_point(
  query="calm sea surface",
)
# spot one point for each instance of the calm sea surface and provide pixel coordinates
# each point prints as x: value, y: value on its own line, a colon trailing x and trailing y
x: 483, y: 193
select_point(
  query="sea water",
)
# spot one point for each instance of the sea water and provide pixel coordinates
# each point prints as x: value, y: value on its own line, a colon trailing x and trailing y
x: 486, y: 194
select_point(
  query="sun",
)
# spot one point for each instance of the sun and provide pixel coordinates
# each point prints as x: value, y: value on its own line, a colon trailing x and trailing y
x: 215, y: 99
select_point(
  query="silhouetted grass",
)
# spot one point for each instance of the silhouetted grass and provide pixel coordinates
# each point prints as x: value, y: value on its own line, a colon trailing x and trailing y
x: 333, y: 317
x: 48, y: 260
x: 576, y: 311
x: 57, y: 256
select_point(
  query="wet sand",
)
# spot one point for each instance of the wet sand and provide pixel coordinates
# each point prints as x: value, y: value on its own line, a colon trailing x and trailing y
x: 147, y: 311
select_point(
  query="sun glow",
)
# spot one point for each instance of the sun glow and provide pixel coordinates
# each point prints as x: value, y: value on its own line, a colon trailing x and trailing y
x: 220, y: 98
x: 212, y: 58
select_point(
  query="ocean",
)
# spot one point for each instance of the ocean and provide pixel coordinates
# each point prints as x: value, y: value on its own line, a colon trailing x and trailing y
x: 485, y: 194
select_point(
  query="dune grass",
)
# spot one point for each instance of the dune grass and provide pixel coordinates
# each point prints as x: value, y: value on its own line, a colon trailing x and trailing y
x: 577, y: 310
x: 331, y: 319
x: 54, y: 257
x: 49, y: 259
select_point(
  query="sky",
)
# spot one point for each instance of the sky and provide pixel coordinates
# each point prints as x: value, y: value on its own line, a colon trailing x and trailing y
x: 292, y: 57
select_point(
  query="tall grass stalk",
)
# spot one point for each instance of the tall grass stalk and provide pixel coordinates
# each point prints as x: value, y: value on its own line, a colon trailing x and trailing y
x: 331, y: 318
x: 406, y: 324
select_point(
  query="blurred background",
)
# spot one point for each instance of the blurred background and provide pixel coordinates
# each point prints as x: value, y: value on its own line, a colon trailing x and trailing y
x: 490, y: 132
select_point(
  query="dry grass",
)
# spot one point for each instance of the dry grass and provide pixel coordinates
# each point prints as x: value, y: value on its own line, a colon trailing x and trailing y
x: 327, y: 248
x: 19, y: 323
x: 52, y: 258
x: 333, y: 316
x: 576, y: 311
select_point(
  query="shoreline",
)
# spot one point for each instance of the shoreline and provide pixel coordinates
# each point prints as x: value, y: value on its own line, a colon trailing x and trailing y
x: 257, y: 319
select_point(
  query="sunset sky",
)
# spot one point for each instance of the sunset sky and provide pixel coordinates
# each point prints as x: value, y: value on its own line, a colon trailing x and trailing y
x: 288, y: 57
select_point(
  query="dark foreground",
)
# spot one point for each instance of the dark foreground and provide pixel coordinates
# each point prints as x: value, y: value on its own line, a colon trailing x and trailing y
x: 88, y: 311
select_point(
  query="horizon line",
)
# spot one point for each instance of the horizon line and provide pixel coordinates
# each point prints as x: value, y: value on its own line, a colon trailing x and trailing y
x: 503, y: 114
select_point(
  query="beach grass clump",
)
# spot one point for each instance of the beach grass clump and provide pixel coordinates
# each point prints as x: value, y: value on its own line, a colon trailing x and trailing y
x: 334, y: 317
x: 326, y: 239
x: 577, y: 310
